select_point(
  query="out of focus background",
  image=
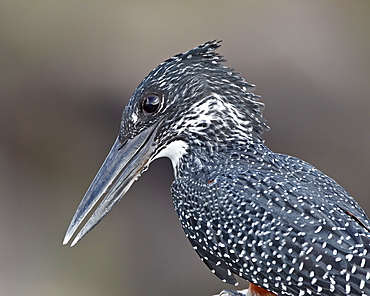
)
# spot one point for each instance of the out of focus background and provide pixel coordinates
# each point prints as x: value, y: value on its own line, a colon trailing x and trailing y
x: 67, y: 68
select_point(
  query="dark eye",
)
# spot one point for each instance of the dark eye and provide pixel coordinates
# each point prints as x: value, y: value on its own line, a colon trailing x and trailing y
x: 151, y: 103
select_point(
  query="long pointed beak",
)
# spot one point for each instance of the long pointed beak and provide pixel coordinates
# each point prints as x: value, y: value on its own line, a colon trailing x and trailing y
x: 121, y: 168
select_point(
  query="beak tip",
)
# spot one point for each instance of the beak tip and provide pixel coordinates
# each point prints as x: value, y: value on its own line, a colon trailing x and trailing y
x: 66, y: 240
x: 68, y: 236
x: 75, y: 241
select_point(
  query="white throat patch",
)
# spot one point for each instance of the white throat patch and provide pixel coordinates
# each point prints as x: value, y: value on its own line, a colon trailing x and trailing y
x: 174, y: 151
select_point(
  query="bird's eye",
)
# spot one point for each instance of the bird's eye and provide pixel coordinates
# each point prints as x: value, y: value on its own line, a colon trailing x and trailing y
x: 151, y: 103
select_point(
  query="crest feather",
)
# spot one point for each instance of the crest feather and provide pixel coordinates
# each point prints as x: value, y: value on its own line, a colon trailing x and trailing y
x: 203, y: 51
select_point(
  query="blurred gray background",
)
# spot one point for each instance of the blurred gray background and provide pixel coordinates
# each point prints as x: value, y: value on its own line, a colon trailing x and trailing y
x: 67, y: 68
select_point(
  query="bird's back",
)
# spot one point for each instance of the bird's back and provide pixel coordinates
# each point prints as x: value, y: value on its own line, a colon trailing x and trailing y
x: 276, y: 221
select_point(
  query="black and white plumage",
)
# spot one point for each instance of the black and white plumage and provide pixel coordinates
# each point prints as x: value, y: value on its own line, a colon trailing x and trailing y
x: 272, y: 219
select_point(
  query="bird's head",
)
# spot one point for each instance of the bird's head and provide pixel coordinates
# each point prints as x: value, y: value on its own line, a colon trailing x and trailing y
x: 189, y: 100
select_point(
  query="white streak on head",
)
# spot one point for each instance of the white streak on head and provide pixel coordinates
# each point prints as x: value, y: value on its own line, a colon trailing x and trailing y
x: 134, y: 117
x: 201, y: 115
x: 230, y: 109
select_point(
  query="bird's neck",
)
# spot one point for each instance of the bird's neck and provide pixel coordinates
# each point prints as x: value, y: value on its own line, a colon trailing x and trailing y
x: 207, y: 155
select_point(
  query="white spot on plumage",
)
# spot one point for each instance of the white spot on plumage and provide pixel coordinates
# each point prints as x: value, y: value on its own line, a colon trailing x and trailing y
x: 134, y: 117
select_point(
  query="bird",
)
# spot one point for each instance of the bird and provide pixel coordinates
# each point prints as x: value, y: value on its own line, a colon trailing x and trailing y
x: 269, y: 218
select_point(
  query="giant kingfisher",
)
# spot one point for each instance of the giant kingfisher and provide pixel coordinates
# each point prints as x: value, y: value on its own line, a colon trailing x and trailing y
x: 269, y: 218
